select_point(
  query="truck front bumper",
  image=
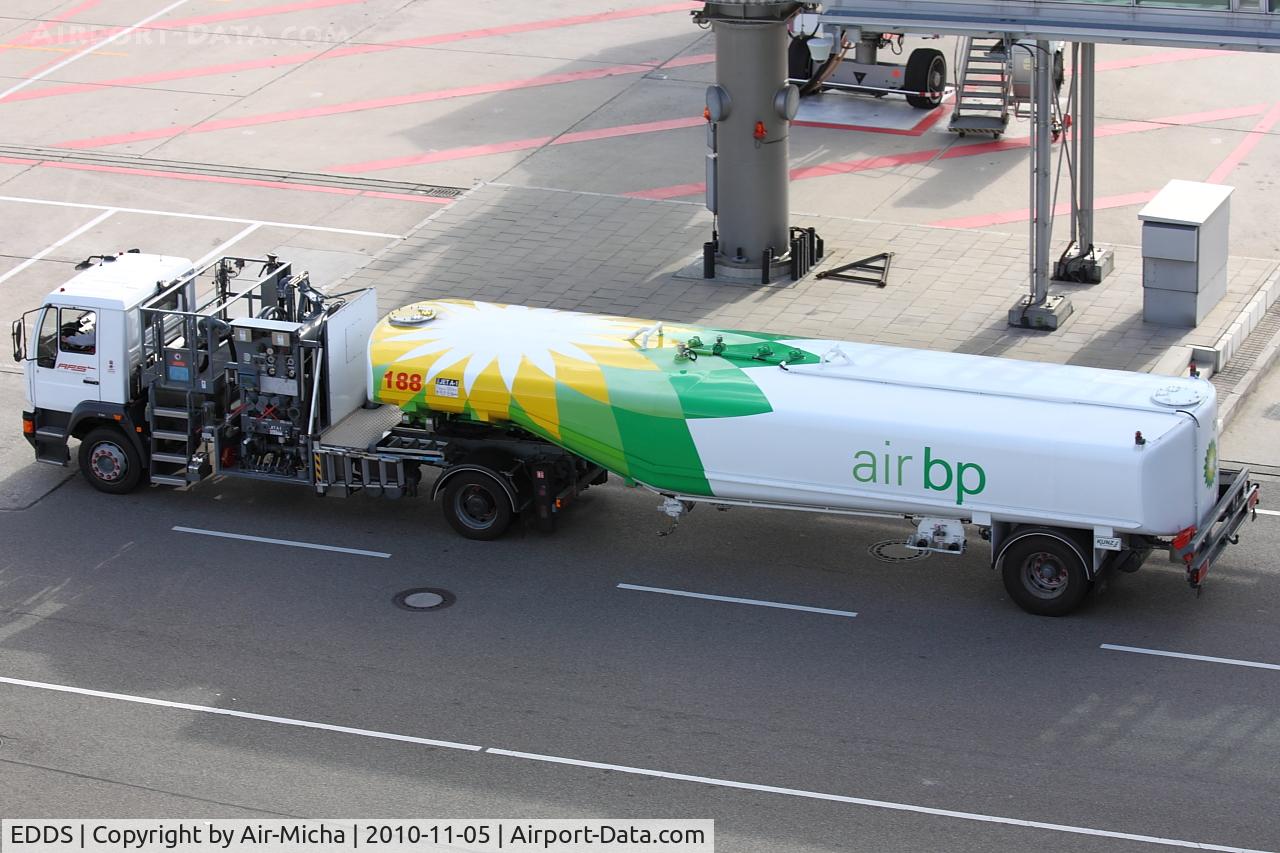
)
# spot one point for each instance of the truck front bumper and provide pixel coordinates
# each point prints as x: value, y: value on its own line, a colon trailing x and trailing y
x: 1238, y: 498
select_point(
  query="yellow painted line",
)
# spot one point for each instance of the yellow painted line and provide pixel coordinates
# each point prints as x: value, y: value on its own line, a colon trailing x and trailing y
x: 61, y: 49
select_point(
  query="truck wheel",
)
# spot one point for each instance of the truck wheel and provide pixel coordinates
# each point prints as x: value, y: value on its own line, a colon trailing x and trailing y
x: 109, y: 462
x: 926, y: 72
x: 1044, y: 574
x: 476, y: 506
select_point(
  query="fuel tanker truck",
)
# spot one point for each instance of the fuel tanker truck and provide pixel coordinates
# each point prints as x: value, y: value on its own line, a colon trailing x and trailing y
x: 171, y: 375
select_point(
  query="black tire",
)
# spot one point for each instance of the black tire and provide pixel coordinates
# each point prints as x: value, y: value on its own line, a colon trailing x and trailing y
x: 926, y: 72
x: 109, y: 461
x: 1045, y: 573
x: 1059, y: 71
x: 476, y: 506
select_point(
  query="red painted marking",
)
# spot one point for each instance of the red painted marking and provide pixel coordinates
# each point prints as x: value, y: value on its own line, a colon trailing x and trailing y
x: 918, y: 129
x: 28, y: 37
x: 553, y: 23
x: 697, y: 59
x: 1183, y: 55
x: 352, y: 50
x: 199, y: 20
x: 669, y: 192
x: 357, y: 106
x: 890, y: 161
x: 14, y: 161
x: 846, y: 167
x: 518, y: 145
x: 987, y: 219
x: 356, y: 50
x: 222, y: 179
x: 1246, y: 146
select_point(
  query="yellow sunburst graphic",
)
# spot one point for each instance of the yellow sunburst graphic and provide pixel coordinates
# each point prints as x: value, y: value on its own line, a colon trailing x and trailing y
x: 481, y: 356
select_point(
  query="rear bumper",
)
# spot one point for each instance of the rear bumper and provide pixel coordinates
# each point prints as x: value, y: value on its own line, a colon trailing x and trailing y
x: 1238, y: 497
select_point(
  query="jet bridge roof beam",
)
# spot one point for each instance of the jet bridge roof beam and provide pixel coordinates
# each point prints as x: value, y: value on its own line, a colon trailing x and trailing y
x: 1101, y: 23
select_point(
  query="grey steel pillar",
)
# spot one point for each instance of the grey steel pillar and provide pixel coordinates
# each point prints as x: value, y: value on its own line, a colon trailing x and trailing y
x: 1039, y: 309
x: 749, y: 185
x: 1085, y: 112
x: 1086, y: 263
x: 1041, y: 179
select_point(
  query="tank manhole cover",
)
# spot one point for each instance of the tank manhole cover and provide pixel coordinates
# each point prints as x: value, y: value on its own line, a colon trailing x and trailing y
x: 894, y: 551
x: 424, y: 598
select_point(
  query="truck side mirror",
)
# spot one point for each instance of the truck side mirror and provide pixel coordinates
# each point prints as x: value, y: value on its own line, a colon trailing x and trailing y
x: 19, y: 333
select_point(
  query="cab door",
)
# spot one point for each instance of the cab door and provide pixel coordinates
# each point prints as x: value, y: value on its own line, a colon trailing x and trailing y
x: 66, y: 359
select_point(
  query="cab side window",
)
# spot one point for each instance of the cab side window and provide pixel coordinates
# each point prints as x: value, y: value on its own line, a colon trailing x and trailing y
x: 47, y: 343
x: 78, y: 331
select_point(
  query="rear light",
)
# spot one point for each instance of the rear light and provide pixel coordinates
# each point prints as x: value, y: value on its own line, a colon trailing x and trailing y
x: 28, y: 426
x: 1184, y: 538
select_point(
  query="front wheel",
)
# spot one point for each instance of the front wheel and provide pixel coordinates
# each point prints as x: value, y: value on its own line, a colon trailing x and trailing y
x: 476, y: 506
x: 109, y: 461
x: 1045, y: 574
x: 926, y: 78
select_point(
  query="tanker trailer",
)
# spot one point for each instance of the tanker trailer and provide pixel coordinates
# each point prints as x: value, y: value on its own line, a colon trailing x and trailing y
x: 1068, y: 471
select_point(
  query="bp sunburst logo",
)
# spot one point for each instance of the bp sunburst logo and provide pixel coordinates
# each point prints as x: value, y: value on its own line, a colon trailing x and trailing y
x: 1211, y: 463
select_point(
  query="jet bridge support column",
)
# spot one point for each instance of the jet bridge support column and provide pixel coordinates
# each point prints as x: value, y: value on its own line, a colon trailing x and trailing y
x: 1084, y: 263
x: 750, y: 110
x: 1039, y: 309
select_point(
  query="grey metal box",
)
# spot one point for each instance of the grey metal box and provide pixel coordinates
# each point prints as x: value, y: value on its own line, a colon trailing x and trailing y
x: 1185, y: 236
x: 1181, y: 307
x: 1169, y: 241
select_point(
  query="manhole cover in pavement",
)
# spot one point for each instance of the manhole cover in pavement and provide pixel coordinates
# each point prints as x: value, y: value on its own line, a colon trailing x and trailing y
x: 424, y: 598
x: 895, y: 551
x: 1272, y: 412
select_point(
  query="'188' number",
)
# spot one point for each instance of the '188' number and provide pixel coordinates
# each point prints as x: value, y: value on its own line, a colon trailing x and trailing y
x: 404, y: 381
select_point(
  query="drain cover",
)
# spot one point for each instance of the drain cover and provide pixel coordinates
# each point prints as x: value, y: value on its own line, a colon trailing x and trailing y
x: 894, y: 551
x: 424, y: 598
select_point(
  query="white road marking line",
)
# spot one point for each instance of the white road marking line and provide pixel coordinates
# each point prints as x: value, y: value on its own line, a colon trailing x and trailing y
x: 218, y: 252
x: 879, y: 804
x: 266, y: 223
x: 640, y: 771
x: 107, y: 214
x: 1267, y: 512
x: 90, y: 49
x: 847, y: 613
x: 291, y: 543
x: 244, y: 715
x: 1140, y: 651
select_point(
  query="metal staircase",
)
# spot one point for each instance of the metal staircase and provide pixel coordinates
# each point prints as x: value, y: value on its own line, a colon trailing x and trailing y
x: 173, y: 424
x: 984, y: 90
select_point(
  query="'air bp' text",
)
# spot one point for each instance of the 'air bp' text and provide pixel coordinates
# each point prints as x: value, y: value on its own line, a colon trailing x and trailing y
x: 889, y: 468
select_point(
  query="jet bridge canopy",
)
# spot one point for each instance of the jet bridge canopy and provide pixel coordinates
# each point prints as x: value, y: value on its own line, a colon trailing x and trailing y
x: 1231, y: 24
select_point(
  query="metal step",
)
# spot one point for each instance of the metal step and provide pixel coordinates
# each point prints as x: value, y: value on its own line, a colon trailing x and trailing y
x: 166, y: 412
x: 979, y: 124
x: 176, y: 458
x: 166, y: 480
x: 170, y: 435
x: 983, y: 107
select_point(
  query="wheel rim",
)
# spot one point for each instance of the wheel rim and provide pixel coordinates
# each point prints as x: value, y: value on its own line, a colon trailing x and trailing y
x: 1044, y: 575
x: 475, y: 507
x: 108, y: 462
x: 937, y: 79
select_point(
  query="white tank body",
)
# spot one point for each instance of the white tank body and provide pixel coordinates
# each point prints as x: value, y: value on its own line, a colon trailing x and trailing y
x: 972, y: 437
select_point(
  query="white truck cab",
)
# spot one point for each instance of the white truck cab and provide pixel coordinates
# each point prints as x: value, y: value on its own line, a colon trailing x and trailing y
x: 81, y: 367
